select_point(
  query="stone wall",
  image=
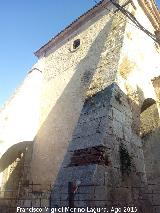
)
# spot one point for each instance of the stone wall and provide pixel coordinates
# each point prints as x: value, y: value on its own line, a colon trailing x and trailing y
x: 19, y: 118
x: 136, y: 66
x: 70, y: 77
x: 116, y: 177
x: 91, y: 117
x: 136, y: 70
x: 97, y: 142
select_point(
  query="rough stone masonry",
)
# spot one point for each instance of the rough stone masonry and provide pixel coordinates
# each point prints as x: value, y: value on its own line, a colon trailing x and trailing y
x: 89, y: 116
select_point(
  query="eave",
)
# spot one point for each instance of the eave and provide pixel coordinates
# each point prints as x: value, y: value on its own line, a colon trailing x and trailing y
x: 80, y: 21
x: 150, y: 9
x: 152, y: 12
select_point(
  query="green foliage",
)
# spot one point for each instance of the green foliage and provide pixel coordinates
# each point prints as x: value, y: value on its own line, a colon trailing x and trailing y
x: 125, y: 161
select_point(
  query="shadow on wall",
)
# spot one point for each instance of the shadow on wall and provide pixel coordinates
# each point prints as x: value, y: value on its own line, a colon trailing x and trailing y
x: 146, y: 124
x: 151, y: 149
x: 139, y: 104
x: 102, y: 98
x: 150, y: 133
x: 12, y: 164
x: 13, y: 153
x: 54, y: 135
x: 131, y: 180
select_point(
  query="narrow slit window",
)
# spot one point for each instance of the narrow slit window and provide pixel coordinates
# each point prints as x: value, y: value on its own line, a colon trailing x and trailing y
x: 76, y: 44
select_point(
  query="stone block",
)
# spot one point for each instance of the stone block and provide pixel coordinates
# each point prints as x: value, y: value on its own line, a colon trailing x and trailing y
x: 122, y: 196
x: 81, y: 173
x: 87, y: 129
x: 81, y: 197
x: 127, y: 132
x: 86, y: 142
x: 45, y: 202
x: 135, y: 193
x: 100, y: 175
x: 115, y: 159
x: 136, y: 140
x: 86, y: 189
x: 138, y: 179
x: 95, y: 114
x: 156, y: 209
x: 118, y: 115
x: 155, y: 188
x: 139, y: 165
x: 36, y: 202
x: 109, y: 141
x: 121, y: 104
x: 156, y: 199
x: 113, y: 177
x: 117, y: 129
x: 100, y: 100
x: 100, y: 193
x: 63, y: 197
x: 27, y: 203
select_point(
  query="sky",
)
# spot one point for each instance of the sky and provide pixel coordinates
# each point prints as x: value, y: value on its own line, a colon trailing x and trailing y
x: 26, y: 25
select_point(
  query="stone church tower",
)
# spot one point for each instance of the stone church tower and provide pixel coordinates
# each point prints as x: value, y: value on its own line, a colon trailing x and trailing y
x: 95, y: 94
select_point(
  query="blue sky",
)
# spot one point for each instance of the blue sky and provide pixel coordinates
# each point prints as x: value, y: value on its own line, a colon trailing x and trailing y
x: 25, y: 26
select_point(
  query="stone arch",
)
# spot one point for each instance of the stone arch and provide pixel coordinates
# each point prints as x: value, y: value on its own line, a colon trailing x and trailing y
x: 12, y: 153
x: 147, y: 103
x: 14, y: 165
x: 149, y: 117
x: 150, y: 133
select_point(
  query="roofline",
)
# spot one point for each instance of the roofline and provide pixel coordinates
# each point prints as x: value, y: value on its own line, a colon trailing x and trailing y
x: 73, y: 26
x: 152, y: 13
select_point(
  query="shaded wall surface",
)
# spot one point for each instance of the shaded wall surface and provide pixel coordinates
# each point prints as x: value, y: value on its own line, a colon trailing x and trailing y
x: 70, y: 78
x: 97, y: 142
x: 104, y: 155
x: 93, y: 142
x: 135, y: 73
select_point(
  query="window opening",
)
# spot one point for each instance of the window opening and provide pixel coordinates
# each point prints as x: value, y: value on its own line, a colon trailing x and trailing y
x: 76, y: 44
